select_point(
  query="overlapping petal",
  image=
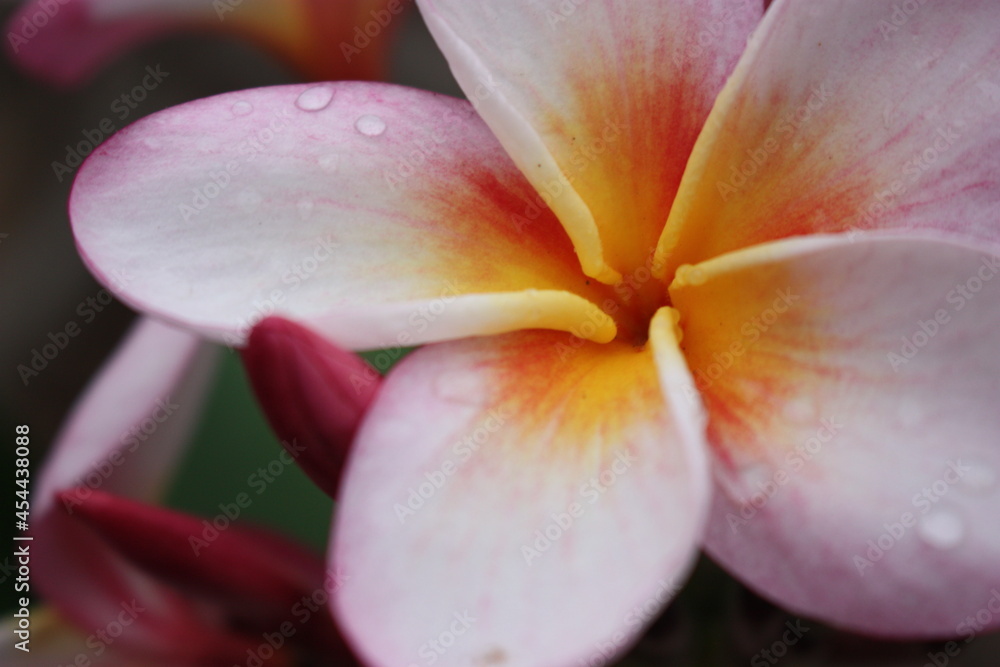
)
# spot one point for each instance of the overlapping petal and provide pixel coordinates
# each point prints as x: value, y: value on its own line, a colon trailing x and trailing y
x: 598, y: 102
x: 856, y: 115
x: 125, y: 436
x: 850, y: 380
x: 68, y: 41
x: 377, y: 215
x: 852, y: 395
x: 143, y: 405
x: 531, y: 499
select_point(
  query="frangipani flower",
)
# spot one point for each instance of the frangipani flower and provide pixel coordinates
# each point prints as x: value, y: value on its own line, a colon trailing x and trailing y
x: 68, y: 41
x: 140, y: 584
x: 630, y: 255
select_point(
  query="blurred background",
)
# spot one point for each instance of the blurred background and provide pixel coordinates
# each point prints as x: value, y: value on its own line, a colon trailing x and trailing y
x: 44, y: 286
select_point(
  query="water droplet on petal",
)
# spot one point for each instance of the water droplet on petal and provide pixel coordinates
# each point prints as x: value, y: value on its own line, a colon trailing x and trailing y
x: 315, y: 98
x: 330, y: 162
x: 249, y: 200
x: 978, y: 477
x: 462, y: 387
x: 305, y: 208
x: 242, y: 108
x: 941, y: 529
x: 370, y: 125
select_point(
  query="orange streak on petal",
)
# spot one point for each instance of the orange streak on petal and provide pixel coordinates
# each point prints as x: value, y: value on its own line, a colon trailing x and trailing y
x: 574, y: 385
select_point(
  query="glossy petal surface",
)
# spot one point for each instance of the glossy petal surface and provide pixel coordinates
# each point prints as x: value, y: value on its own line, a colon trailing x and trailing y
x: 378, y: 216
x: 849, y: 116
x: 598, y: 102
x: 528, y: 495
x: 852, y: 394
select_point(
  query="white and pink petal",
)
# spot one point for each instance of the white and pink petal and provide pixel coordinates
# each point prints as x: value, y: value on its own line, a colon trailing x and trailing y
x: 377, y: 215
x: 125, y: 436
x: 849, y: 116
x: 598, y: 103
x: 520, y: 497
x: 852, y: 389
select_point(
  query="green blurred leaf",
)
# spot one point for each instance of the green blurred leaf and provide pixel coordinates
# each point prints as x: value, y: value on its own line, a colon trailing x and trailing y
x: 234, y: 452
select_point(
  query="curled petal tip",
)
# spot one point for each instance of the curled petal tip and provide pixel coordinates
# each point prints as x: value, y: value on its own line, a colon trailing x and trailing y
x: 313, y: 393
